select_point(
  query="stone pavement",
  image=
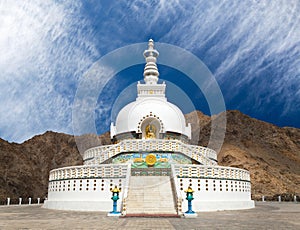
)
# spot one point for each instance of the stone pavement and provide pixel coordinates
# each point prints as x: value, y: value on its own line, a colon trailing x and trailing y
x: 267, y: 215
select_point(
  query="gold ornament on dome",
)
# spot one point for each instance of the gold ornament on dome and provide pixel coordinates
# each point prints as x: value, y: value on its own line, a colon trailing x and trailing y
x: 150, y: 159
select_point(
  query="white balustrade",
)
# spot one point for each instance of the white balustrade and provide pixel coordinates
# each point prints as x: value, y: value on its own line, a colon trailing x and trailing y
x: 177, y: 191
x: 125, y: 192
x: 98, y: 155
x: 91, y: 171
x: 204, y: 171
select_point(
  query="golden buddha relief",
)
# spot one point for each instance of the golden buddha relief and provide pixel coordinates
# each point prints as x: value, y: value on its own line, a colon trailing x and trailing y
x: 150, y: 131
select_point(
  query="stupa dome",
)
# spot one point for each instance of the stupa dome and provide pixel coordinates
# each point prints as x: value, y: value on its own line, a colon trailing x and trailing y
x: 166, y: 116
x: 151, y: 115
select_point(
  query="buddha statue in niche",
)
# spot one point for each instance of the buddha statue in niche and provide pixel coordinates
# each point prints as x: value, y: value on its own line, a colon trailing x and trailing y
x: 150, y: 131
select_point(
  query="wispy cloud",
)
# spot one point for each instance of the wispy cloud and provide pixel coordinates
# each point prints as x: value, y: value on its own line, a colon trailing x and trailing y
x: 249, y: 45
x: 45, y: 48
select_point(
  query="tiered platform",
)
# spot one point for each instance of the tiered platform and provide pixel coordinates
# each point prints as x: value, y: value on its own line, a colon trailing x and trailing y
x: 100, y: 154
x: 87, y: 188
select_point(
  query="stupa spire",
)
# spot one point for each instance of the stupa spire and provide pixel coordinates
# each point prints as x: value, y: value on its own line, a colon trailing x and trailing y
x: 150, y: 71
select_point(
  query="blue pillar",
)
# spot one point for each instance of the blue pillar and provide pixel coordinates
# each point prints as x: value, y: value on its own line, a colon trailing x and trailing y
x: 189, y: 197
x: 114, y: 207
x: 189, y: 207
x: 115, y: 198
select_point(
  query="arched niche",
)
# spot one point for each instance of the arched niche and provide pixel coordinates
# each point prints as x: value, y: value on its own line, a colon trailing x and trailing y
x: 150, y: 128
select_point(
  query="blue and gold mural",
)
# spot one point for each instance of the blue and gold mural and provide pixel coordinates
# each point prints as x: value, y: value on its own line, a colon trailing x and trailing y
x: 155, y: 160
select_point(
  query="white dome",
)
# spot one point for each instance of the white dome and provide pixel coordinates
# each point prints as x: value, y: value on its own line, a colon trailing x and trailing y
x: 168, y: 115
x: 151, y: 114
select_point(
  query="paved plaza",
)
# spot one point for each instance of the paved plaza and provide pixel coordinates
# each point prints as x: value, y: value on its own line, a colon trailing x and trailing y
x: 266, y: 215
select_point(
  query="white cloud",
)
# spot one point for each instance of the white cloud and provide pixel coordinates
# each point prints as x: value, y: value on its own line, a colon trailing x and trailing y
x: 45, y: 47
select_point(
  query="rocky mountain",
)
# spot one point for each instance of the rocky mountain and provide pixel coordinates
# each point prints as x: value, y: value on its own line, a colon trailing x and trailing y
x: 25, y: 167
x: 270, y: 153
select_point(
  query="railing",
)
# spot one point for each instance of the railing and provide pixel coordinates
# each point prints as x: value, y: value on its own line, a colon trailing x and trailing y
x: 91, y: 171
x: 125, y: 193
x: 98, y: 155
x: 204, y: 171
x: 177, y: 191
x: 209, y: 153
x: 22, y: 201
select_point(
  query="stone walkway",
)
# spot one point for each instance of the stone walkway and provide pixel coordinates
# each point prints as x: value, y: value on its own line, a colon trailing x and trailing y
x: 266, y: 215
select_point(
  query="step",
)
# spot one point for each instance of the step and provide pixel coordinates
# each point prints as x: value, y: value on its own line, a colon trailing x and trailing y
x: 150, y: 195
x: 152, y: 215
x: 151, y: 203
x: 151, y: 211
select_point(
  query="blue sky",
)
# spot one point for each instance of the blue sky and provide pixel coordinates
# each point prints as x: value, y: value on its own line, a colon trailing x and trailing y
x: 251, y: 47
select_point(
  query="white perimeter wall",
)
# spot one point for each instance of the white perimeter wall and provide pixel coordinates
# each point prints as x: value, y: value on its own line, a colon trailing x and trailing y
x: 216, y: 194
x: 83, y: 194
x: 95, y: 194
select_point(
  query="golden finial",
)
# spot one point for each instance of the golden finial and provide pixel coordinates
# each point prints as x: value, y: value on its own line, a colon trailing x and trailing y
x: 116, y: 189
x: 189, y: 190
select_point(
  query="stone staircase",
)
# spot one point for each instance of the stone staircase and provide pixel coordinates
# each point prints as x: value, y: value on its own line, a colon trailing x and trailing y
x: 150, y: 195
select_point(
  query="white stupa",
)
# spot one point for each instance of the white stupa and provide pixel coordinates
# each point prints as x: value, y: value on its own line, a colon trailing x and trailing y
x: 151, y: 161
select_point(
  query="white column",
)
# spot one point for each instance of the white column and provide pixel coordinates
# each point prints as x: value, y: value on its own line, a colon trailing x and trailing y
x: 20, y: 201
x: 263, y: 198
x: 8, y: 201
x: 38, y: 200
x: 29, y: 200
x: 279, y: 198
x: 295, y: 198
